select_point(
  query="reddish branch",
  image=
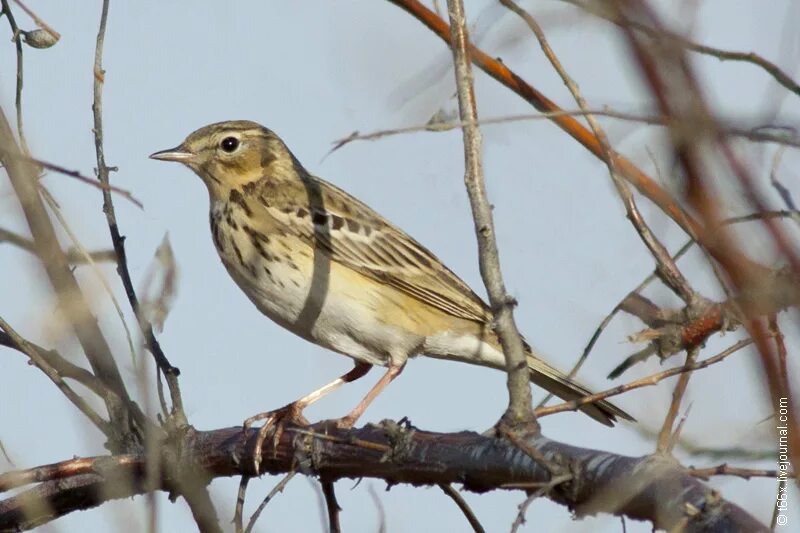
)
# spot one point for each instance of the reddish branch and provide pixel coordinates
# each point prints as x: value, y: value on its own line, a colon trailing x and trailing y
x: 632, y: 173
x: 640, y: 488
x: 674, y: 330
x: 678, y: 95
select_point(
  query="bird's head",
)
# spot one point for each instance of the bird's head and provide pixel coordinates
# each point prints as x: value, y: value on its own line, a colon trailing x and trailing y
x: 231, y: 154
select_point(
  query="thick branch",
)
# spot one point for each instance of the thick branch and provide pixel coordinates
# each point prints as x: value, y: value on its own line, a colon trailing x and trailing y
x: 641, y: 488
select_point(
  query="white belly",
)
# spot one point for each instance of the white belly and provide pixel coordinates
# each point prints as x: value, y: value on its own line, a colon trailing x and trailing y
x: 310, y: 298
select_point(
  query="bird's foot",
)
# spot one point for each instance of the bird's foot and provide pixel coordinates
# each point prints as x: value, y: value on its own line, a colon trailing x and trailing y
x: 275, y: 422
x: 346, y: 422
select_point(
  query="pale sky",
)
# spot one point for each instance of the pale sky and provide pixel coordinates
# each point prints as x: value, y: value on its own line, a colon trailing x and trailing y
x: 315, y: 72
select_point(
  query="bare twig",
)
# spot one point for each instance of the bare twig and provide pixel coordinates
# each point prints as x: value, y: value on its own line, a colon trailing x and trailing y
x: 238, y: 513
x: 76, y: 243
x: 68, y: 291
x: 63, y: 367
x: 170, y: 372
x: 523, y: 507
x: 332, y: 506
x: 677, y: 92
x: 76, y: 399
x: 780, y: 345
x: 784, y: 193
x: 753, y: 134
x: 7, y: 457
x: 379, y: 507
x: 676, y: 40
x: 609, y: 317
x: 642, y: 313
x: 676, y: 435
x: 278, y: 488
x: 39, y: 22
x: 643, y: 183
x: 74, y: 256
x: 665, y: 266
x: 15, y: 31
x: 462, y: 504
x: 519, y: 410
x: 646, y: 381
x: 199, y: 501
x: 665, y: 439
x: 80, y: 177
x: 725, y: 470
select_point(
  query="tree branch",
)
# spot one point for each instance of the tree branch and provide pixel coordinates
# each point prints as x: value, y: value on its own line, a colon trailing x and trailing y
x: 68, y: 292
x: 646, y: 185
x: 640, y: 488
x: 171, y: 373
x: 520, y: 411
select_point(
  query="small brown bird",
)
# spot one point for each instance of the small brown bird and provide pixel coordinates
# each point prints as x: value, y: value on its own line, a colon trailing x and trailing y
x: 328, y: 268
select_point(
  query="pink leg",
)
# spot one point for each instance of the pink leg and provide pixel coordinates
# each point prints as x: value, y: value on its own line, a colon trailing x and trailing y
x: 348, y: 421
x: 293, y: 412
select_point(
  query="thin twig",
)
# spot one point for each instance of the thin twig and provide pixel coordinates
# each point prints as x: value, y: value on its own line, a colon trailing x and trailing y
x: 646, y: 381
x: 752, y: 134
x: 39, y: 22
x: 7, y: 457
x: 170, y: 372
x: 74, y: 256
x: 607, y: 320
x: 70, y: 296
x: 677, y: 92
x: 586, y: 350
x: 519, y: 410
x: 15, y: 31
x: 65, y: 369
x: 784, y: 193
x: 794, y: 215
x: 76, y: 399
x: 332, y: 506
x: 463, y: 506
x: 76, y: 243
x: 523, y: 507
x: 639, y: 179
x: 665, y: 435
x: 197, y: 497
x: 665, y: 266
x: 676, y: 40
x: 676, y: 435
x: 780, y: 345
x: 379, y: 507
x: 80, y: 177
x: 238, y: 520
x: 274, y: 492
x: 725, y: 470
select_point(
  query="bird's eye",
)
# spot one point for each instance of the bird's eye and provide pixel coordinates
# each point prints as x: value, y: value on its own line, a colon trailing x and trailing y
x: 229, y: 144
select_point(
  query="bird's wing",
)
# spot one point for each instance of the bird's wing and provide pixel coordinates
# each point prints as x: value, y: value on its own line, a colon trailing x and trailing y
x: 356, y: 236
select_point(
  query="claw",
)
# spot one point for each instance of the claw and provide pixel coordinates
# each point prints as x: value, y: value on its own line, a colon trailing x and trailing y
x: 276, y: 420
x: 346, y: 422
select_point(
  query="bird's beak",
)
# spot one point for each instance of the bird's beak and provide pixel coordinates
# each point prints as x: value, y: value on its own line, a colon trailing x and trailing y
x: 179, y: 155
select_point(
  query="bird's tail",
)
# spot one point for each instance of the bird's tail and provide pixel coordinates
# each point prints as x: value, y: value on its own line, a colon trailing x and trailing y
x: 552, y: 380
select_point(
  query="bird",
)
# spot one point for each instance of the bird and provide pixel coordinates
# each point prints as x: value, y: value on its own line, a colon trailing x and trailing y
x: 325, y: 266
